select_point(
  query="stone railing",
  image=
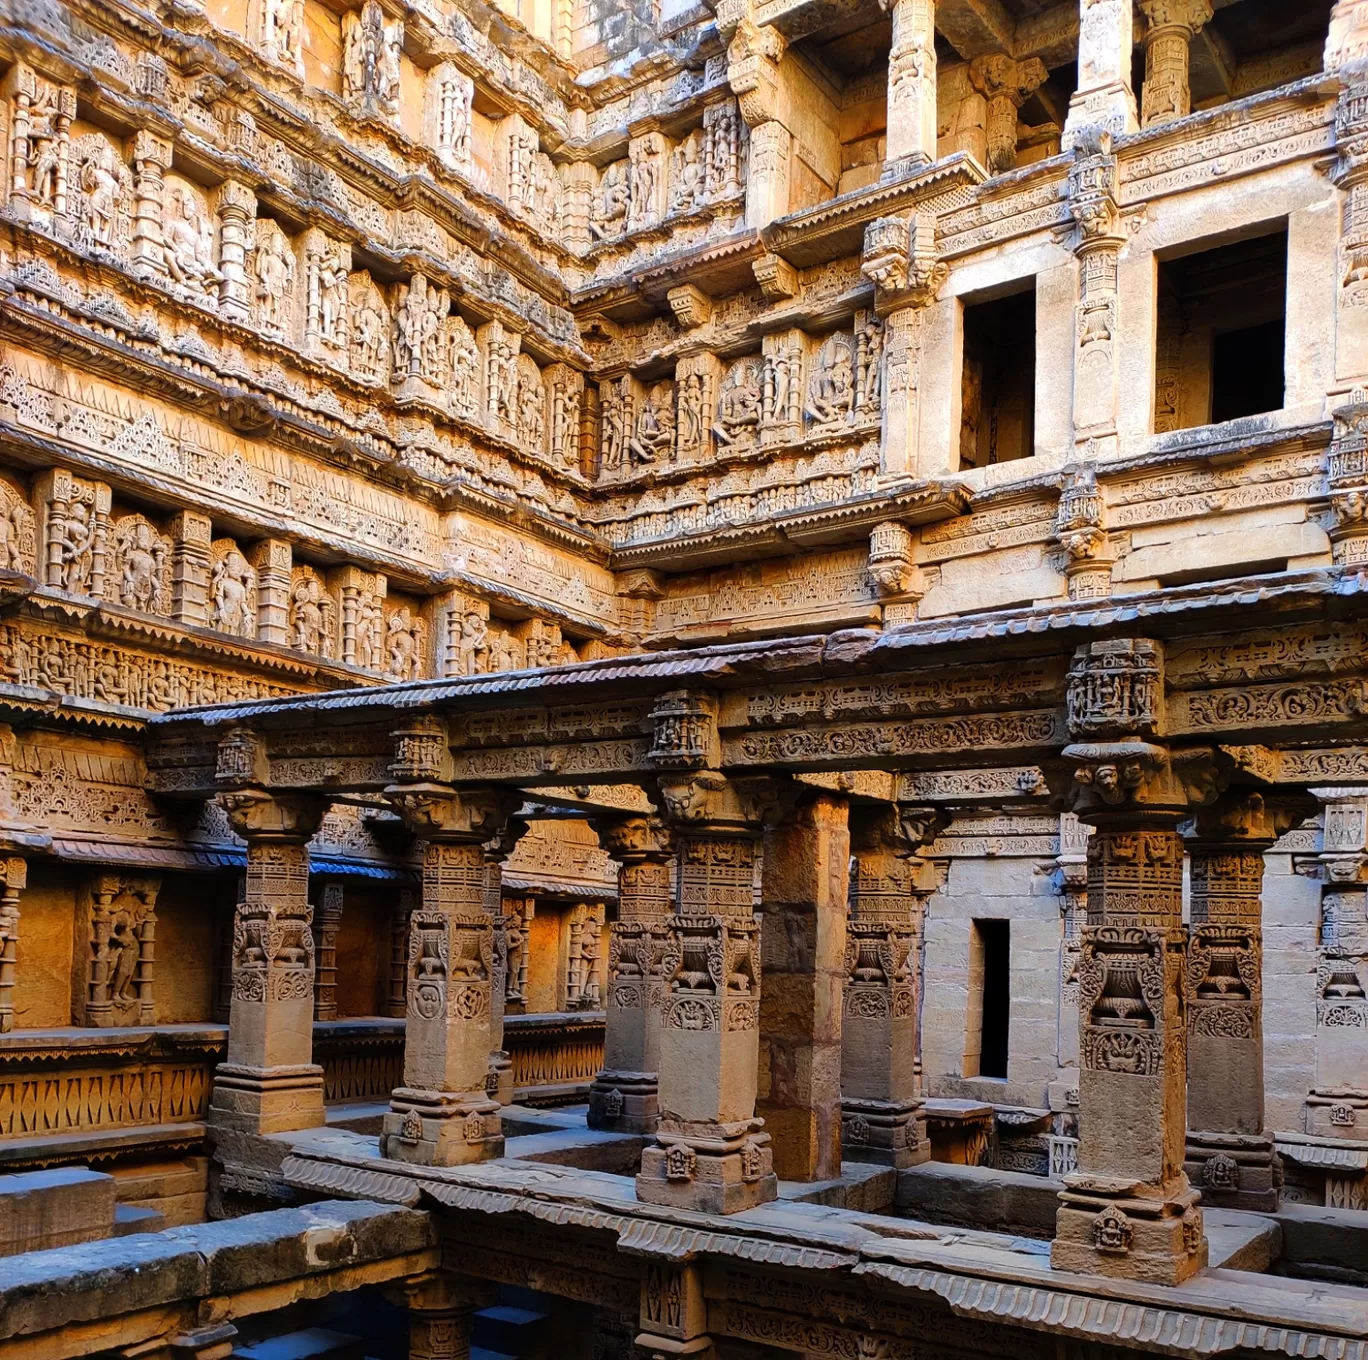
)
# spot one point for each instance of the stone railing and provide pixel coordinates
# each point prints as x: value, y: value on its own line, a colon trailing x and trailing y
x: 70, y: 1094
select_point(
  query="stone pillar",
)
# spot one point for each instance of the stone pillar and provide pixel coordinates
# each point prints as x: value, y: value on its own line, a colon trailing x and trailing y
x: 13, y: 880
x: 1346, y: 43
x: 443, y: 1114
x: 804, y: 886
x: 1104, y: 97
x: 710, y: 1152
x: 1005, y: 86
x: 396, y: 1006
x: 270, y: 1083
x: 151, y: 157
x: 912, y: 121
x: 441, y: 1307
x: 674, y: 1313
x: 1128, y: 1211
x: 1097, y: 246
x: 881, y: 1097
x: 754, y: 54
x: 191, y: 534
x: 1229, y: 1156
x: 1170, y: 26
x: 237, y: 206
x: 900, y: 260
x: 624, y: 1095
x: 499, y: 1078
x: 1349, y: 172
x: 272, y: 559
x: 327, y: 922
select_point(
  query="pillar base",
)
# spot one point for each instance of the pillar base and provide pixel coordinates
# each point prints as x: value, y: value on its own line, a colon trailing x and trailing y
x: 499, y: 1079
x: 1113, y: 1227
x: 1234, y: 1171
x: 624, y: 1102
x: 267, y: 1099
x: 885, y: 1132
x: 712, y: 1168
x: 441, y: 1128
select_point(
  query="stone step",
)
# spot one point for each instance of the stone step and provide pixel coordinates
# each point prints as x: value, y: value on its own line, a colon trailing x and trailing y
x: 311, y: 1343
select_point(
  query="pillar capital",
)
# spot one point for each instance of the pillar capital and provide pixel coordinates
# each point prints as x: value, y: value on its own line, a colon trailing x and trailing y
x: 1137, y: 783
x: 1248, y: 819
x: 901, y: 260
x: 1188, y: 15
x: 258, y: 815
x: 707, y: 802
x: 443, y: 812
x: 1006, y: 84
x: 636, y: 838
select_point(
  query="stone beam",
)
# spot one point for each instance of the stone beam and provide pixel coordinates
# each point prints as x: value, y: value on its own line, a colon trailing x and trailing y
x: 975, y: 28
x: 127, y: 1294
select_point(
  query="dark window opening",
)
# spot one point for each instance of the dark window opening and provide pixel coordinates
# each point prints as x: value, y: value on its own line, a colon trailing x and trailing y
x: 1222, y: 322
x: 990, y: 999
x: 997, y: 392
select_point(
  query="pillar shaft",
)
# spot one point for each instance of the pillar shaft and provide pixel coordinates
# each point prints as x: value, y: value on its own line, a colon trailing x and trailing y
x: 882, y: 1106
x: 443, y: 1115
x: 1170, y: 28
x: 270, y: 1083
x: 624, y: 1096
x: 15, y: 877
x: 710, y: 1152
x: 327, y: 923
x: 803, y: 895
x: 1104, y: 97
x: 912, y: 119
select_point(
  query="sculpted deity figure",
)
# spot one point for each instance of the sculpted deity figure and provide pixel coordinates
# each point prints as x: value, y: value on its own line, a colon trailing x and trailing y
x: 282, y: 32
x: 501, y: 657
x: 332, y: 298
x: 189, y: 242
x: 16, y: 538
x: 404, y: 645
x: 232, y: 583
x: 370, y: 60
x: 275, y: 272
x: 143, y: 556
x: 738, y: 408
x: 609, y: 217
x: 472, y: 643
x: 44, y: 145
x: 565, y: 418
x: 76, y: 547
x: 654, y: 433
x: 614, y: 415
x: 465, y: 370
x: 370, y: 631
x: 369, y: 331
x: 102, y: 187
x: 831, y: 389
x: 312, y: 612
x: 686, y: 189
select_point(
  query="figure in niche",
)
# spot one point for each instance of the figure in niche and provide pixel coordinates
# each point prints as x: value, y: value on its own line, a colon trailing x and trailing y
x: 45, y: 145
x: 614, y: 430
x: 370, y: 338
x: 472, y: 643
x: 531, y: 406
x: 370, y: 627
x: 738, y: 409
x: 121, y: 959
x: 501, y: 655
x: 102, y: 187
x: 654, y: 432
x: 686, y: 192
x: 143, y: 559
x: 610, y: 216
x: 831, y: 388
x: 231, y: 587
x: 642, y: 195
x: 16, y: 538
x: 189, y: 242
x: 313, y: 612
x: 75, y: 551
x: 332, y: 298
x: 465, y: 370
x: 282, y: 31
x: 275, y: 271
x: 404, y: 644
x: 691, y: 417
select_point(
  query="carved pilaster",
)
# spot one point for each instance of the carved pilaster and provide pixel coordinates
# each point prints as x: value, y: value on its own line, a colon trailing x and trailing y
x: 151, y: 159
x: 624, y: 1095
x: 673, y: 1313
x: 912, y: 118
x: 1104, y: 98
x: 710, y: 1151
x: 272, y: 560
x: 1005, y: 85
x: 1170, y: 26
x: 397, y: 995
x: 120, y: 916
x: 191, y: 534
x: 1229, y: 1156
x: 13, y: 880
x: 236, y: 205
x: 443, y: 1115
x: 270, y: 1083
x: 326, y: 923
x: 73, y: 532
x: 1081, y: 527
x: 881, y: 1098
x: 499, y: 1078
x: 41, y: 115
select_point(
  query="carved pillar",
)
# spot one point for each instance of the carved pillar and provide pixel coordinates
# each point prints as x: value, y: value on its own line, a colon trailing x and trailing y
x: 1170, y: 26
x: 710, y: 1152
x: 443, y: 1115
x: 674, y: 1313
x: 1129, y: 1211
x: 120, y: 915
x: 1349, y: 171
x: 754, y: 56
x: 191, y: 534
x: 326, y: 923
x: 1097, y: 246
x: 1346, y: 43
x: 900, y: 260
x: 12, y: 883
x: 624, y: 1095
x: 881, y: 1097
x: 441, y: 1307
x: 804, y: 888
x: 237, y: 206
x: 1005, y: 86
x: 272, y: 559
x: 912, y: 118
x: 1104, y: 98
x: 499, y: 1078
x: 270, y: 1083
x: 151, y: 158
x: 1229, y: 1156
x: 1337, y: 1106
x: 396, y: 1006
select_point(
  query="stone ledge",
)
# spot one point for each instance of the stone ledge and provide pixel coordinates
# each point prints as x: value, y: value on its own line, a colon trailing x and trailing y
x: 979, y: 1197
